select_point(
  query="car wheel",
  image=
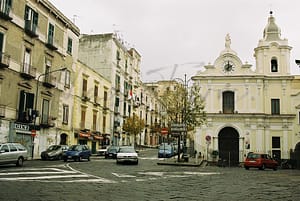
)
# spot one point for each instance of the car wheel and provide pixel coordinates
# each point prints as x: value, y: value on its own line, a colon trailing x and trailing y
x: 65, y: 159
x: 79, y: 158
x: 20, y: 162
x: 246, y: 167
x: 262, y: 167
x: 137, y: 162
x: 275, y: 168
x: 89, y: 159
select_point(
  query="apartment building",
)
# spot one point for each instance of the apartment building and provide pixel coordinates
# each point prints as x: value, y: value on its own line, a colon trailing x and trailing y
x: 91, y: 119
x: 108, y: 55
x: 38, y: 49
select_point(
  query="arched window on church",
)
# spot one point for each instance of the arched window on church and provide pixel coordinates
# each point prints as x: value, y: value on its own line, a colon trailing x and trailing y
x: 228, y: 102
x: 274, y: 65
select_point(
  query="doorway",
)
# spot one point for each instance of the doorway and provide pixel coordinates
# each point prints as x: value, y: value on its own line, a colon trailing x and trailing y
x: 228, y: 143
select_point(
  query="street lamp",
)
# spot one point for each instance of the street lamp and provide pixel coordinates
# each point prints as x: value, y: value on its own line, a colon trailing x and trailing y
x: 33, y: 132
x: 184, y: 116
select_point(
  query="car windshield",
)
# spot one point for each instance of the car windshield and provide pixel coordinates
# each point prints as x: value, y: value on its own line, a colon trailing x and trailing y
x: 126, y: 150
x: 165, y: 146
x: 53, y: 147
x: 253, y: 156
x: 75, y: 148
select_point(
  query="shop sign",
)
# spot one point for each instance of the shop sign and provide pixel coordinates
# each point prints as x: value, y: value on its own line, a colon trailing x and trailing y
x: 23, y: 127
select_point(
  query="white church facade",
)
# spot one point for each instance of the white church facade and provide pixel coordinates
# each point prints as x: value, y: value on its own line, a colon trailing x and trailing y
x: 250, y: 108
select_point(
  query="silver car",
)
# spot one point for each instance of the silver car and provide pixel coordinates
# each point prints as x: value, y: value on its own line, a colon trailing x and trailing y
x: 13, y: 153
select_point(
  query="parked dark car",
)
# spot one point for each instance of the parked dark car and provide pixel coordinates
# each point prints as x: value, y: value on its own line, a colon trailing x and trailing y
x: 13, y: 153
x: 261, y: 161
x: 54, y: 152
x: 77, y: 153
x: 111, y: 152
x: 165, y: 150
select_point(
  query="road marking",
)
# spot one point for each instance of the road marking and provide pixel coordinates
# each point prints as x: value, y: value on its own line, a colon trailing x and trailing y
x: 122, y: 175
x: 57, y: 175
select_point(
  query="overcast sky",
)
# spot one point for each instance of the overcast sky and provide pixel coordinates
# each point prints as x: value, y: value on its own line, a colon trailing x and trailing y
x: 189, y: 33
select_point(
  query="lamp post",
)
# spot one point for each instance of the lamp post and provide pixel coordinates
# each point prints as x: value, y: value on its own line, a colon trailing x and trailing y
x: 184, y: 117
x: 33, y: 132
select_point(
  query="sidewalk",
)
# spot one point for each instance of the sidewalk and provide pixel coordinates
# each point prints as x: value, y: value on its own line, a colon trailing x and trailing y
x: 192, y: 162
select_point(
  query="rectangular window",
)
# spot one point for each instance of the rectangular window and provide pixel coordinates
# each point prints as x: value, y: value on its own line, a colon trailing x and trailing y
x: 26, y: 106
x: 105, y: 99
x: 5, y: 6
x: 48, y: 77
x: 124, y: 109
x: 50, y: 33
x: 95, y: 93
x: 69, y: 50
x: 65, y: 114
x: 275, y: 106
x: 67, y: 78
x: 104, y: 124
x: 45, y: 112
x: 117, y: 102
x: 276, y: 142
x: 94, y: 120
x: 84, y: 87
x: 82, y: 121
x: 31, y: 20
x: 27, y: 61
x: 118, y: 83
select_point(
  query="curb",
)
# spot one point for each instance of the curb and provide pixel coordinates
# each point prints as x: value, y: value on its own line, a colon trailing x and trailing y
x: 176, y: 163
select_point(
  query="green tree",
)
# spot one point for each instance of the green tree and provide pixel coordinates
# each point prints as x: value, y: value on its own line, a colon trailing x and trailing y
x: 184, y: 105
x: 134, y: 125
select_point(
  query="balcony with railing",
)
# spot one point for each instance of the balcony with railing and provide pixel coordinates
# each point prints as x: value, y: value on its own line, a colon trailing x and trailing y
x: 49, y: 81
x: 51, y: 44
x: 84, y: 96
x: 47, y: 122
x: 4, y: 60
x: 30, y: 28
x: 5, y: 11
x: 2, y: 111
x: 28, y: 71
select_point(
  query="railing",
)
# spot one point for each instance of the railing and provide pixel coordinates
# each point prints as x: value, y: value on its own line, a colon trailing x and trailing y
x: 2, y: 110
x: 5, y: 12
x: 30, y: 28
x: 49, y: 81
x: 4, y: 60
x: 28, y: 71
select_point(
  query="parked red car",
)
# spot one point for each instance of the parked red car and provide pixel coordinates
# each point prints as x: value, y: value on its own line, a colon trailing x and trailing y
x: 261, y: 161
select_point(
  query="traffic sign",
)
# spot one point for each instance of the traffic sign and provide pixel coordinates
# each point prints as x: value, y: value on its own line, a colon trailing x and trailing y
x: 208, y: 138
x: 33, y: 133
x: 164, y: 131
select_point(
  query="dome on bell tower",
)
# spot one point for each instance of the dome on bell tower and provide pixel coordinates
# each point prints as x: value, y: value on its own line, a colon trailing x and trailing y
x: 272, y: 31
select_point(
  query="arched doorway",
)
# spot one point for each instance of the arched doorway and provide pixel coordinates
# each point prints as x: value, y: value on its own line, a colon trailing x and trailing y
x: 228, y: 139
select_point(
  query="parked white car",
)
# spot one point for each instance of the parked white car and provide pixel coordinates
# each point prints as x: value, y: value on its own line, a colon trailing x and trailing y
x: 13, y: 153
x: 127, y: 154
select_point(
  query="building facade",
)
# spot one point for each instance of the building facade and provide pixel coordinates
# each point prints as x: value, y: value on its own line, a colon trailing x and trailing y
x: 107, y: 55
x: 249, y: 109
x: 91, y: 119
x: 37, y: 47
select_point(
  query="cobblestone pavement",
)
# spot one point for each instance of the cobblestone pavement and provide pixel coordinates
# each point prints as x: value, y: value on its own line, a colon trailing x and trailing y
x: 102, y: 179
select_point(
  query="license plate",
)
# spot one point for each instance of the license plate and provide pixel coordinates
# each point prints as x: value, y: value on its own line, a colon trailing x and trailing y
x: 69, y: 156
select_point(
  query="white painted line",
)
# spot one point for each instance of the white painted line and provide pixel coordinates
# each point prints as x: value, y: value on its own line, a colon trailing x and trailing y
x: 122, y: 175
x: 35, y: 173
x: 44, y: 177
